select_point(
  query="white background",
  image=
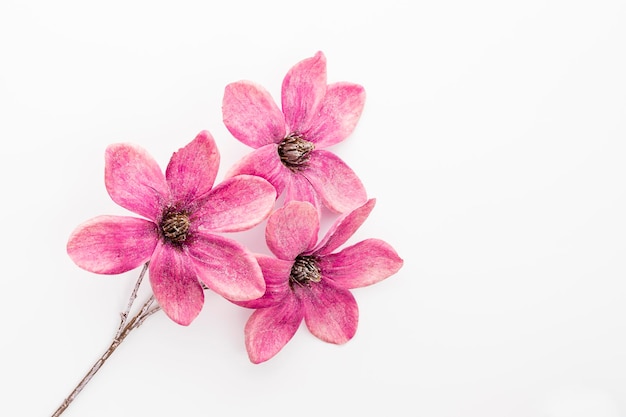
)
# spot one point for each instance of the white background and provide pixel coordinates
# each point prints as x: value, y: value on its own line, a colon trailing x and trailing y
x: 493, y: 138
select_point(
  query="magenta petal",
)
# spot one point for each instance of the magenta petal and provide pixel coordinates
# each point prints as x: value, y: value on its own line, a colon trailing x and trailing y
x: 362, y: 264
x: 226, y: 267
x: 303, y: 89
x: 344, y: 227
x: 251, y: 115
x: 239, y: 203
x: 175, y: 285
x: 269, y: 329
x: 292, y: 230
x: 300, y: 189
x: 112, y: 244
x: 338, y: 186
x: 134, y: 180
x: 276, y: 274
x: 330, y: 313
x: 338, y: 114
x: 265, y: 163
x: 192, y: 170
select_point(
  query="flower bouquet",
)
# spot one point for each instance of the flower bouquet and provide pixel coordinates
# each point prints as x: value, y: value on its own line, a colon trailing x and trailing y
x: 178, y: 239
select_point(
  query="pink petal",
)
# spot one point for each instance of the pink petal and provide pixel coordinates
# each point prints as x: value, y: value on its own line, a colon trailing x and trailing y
x: 330, y: 313
x: 239, y: 203
x: 338, y: 186
x: 265, y: 163
x: 112, y: 244
x: 362, y: 264
x: 300, y: 189
x: 292, y: 230
x: 192, y: 170
x: 175, y: 285
x: 251, y: 115
x: 134, y: 180
x: 338, y: 114
x: 269, y: 329
x: 226, y: 267
x: 344, y: 227
x: 276, y: 274
x: 303, y: 89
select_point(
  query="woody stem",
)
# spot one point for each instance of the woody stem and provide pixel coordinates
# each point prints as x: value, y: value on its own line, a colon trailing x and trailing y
x: 125, y: 327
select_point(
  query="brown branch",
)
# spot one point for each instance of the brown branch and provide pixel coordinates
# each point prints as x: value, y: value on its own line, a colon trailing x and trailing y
x: 131, y: 300
x: 123, y: 331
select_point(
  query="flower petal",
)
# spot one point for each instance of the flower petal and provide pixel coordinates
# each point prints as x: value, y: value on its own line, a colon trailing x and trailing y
x: 251, y: 115
x: 330, y: 313
x: 276, y: 275
x: 265, y: 163
x: 292, y: 230
x: 112, y: 244
x: 134, y: 180
x: 238, y: 203
x: 303, y: 89
x: 338, y: 186
x: 343, y: 228
x: 300, y: 189
x: 226, y: 267
x: 192, y: 170
x: 338, y: 114
x: 269, y: 329
x: 175, y: 284
x: 362, y: 264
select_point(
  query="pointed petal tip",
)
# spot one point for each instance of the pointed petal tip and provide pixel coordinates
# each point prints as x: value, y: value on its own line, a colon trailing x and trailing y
x: 368, y: 205
x: 399, y: 262
x: 184, y: 320
x: 204, y: 134
x: 115, y: 147
x: 252, y: 290
x: 206, y: 137
x: 320, y: 56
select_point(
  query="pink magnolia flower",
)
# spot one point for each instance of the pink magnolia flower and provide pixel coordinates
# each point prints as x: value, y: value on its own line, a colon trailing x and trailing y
x: 183, y: 213
x: 289, y: 145
x: 309, y: 281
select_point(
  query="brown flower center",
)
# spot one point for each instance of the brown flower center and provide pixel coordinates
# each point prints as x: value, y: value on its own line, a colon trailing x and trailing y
x: 304, y: 271
x: 175, y: 226
x: 294, y: 151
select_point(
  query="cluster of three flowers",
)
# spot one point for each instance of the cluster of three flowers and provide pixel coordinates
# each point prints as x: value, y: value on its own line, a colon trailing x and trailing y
x: 185, y: 213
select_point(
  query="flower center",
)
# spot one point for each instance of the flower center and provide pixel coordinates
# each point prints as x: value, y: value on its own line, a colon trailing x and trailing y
x: 294, y: 151
x: 304, y: 271
x: 175, y: 226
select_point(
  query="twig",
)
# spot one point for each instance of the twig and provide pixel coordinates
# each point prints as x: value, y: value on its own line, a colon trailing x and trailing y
x: 123, y: 331
x: 131, y: 300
